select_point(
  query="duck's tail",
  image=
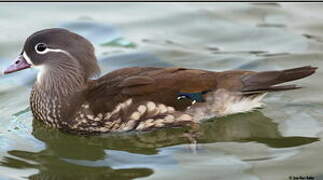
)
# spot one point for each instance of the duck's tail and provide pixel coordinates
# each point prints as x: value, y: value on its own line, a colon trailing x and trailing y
x: 268, y: 80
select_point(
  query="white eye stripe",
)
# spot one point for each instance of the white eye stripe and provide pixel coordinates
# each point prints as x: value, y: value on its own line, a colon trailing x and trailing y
x: 50, y: 50
x: 57, y: 50
x: 47, y: 50
x: 27, y: 58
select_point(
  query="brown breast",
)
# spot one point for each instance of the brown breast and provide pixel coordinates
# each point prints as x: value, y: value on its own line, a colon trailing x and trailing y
x: 45, y: 108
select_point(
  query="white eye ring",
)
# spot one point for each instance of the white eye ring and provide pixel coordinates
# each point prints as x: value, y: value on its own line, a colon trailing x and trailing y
x: 41, y: 48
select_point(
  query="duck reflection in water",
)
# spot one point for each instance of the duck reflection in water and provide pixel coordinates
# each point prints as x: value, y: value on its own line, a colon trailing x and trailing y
x: 131, y: 155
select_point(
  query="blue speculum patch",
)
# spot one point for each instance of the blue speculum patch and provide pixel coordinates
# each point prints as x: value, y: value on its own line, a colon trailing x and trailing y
x: 198, y: 96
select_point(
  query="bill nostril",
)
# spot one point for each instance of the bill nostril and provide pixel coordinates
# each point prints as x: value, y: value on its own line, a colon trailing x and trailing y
x: 17, y: 62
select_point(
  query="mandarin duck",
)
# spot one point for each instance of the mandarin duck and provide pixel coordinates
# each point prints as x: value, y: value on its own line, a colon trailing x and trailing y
x: 66, y: 96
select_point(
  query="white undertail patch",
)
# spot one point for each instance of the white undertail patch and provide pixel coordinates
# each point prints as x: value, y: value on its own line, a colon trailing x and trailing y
x: 242, y: 104
x: 222, y: 103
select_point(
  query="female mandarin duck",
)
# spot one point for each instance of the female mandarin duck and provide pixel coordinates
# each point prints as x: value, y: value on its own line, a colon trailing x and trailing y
x: 134, y: 98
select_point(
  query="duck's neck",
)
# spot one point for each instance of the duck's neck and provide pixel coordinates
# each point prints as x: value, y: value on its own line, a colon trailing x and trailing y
x: 49, y: 99
x: 60, y: 81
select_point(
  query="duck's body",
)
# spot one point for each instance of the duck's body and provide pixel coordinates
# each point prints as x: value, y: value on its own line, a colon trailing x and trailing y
x: 132, y: 99
x: 135, y: 98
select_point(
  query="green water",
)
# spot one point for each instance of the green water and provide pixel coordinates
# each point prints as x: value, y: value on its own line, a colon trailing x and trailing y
x: 276, y: 142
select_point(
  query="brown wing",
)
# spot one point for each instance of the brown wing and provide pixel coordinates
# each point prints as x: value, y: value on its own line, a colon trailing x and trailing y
x: 163, y: 85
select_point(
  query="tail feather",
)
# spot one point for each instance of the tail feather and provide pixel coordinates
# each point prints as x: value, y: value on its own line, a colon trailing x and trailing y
x: 266, y: 81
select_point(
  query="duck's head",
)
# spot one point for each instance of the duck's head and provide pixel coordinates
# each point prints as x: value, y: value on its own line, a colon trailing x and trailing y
x: 57, y: 50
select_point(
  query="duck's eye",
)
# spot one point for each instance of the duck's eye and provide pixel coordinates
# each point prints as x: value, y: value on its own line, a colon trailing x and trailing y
x: 40, y: 48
